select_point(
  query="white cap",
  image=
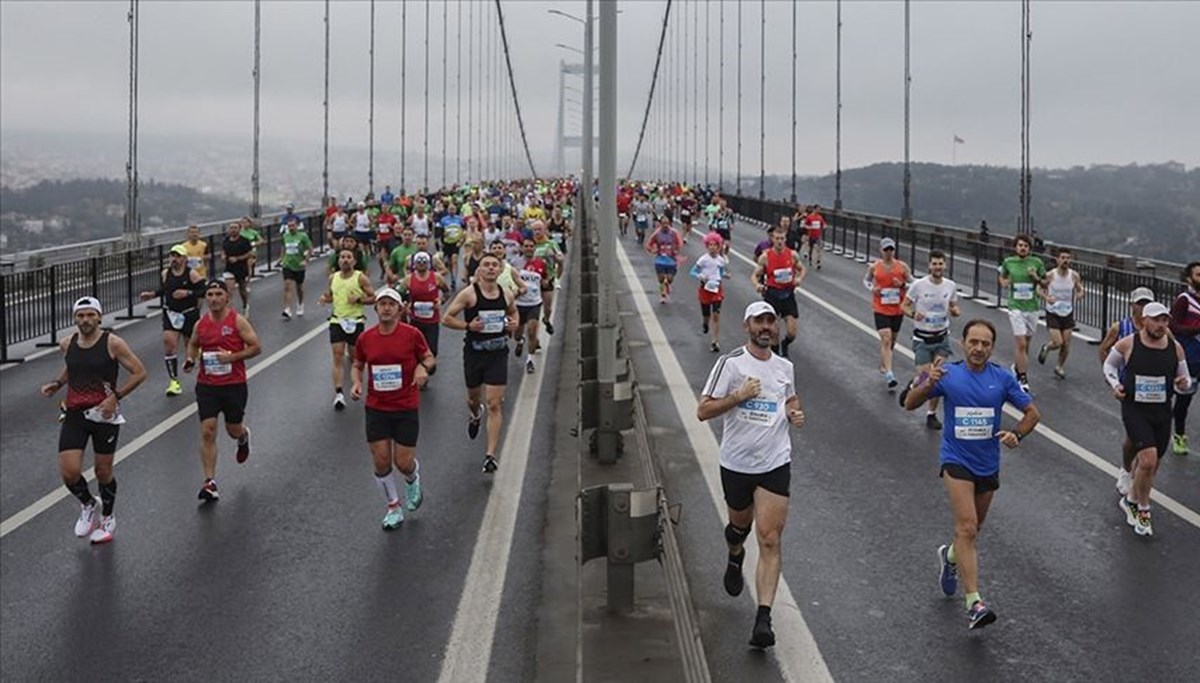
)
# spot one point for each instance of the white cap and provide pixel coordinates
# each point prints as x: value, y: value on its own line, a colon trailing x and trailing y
x: 887, y: 242
x: 85, y: 303
x: 758, y: 308
x: 388, y: 293
x: 1141, y: 294
x: 1155, y: 309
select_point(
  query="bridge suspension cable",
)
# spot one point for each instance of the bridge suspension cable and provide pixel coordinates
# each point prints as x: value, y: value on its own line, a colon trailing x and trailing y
x: 762, y: 102
x: 371, y: 109
x: 325, y: 106
x: 425, y: 154
x: 403, y: 86
x: 662, y: 37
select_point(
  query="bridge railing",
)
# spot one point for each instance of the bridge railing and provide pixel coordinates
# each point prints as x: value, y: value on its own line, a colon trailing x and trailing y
x: 37, y: 302
x: 972, y: 260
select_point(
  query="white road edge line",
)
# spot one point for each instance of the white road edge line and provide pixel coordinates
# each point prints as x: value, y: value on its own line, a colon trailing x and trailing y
x: 47, y: 501
x: 468, y: 652
x: 1179, y: 509
x: 798, y: 657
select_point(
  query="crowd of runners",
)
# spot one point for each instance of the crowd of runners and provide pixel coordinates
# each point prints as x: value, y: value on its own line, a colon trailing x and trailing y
x: 485, y: 261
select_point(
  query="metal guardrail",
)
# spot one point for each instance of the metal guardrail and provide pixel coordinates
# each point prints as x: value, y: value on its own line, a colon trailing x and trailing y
x: 972, y: 262
x: 37, y: 302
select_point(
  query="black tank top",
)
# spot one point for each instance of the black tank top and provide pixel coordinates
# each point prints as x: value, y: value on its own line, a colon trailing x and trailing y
x: 472, y: 265
x: 173, y: 282
x: 492, y: 311
x: 91, y: 373
x: 1150, y: 377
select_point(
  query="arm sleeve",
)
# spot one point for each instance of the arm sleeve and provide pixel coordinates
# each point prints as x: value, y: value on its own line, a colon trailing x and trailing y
x: 1182, y: 371
x: 695, y: 271
x: 1113, y: 366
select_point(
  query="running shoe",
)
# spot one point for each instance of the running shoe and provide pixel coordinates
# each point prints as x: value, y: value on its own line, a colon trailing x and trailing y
x: 209, y: 492
x: 1042, y: 353
x: 979, y: 615
x: 339, y: 401
x: 529, y: 366
x: 86, y: 521
x: 714, y: 347
x: 473, y: 424
x: 174, y: 388
x: 904, y: 393
x: 287, y: 315
x: 1130, y: 509
x: 890, y: 378
x: 734, y: 581
x: 520, y: 347
x: 1124, y: 482
x: 1059, y: 372
x: 948, y: 576
x: 300, y: 310
x: 412, y: 494
x: 704, y: 327
x: 1143, y: 527
x: 62, y: 411
x: 763, y: 636
x: 490, y: 464
x: 393, y: 518
x: 1023, y: 380
x: 932, y: 421
x: 1179, y: 444
x: 104, y: 532
x: 549, y: 325
x: 243, y: 449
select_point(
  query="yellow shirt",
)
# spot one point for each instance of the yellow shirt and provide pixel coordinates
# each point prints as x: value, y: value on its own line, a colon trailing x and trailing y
x: 535, y: 213
x: 344, y: 289
x: 197, y: 257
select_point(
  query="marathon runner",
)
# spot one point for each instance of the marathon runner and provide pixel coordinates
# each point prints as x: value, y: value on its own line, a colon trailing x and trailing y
x: 930, y: 301
x: 237, y: 252
x: 560, y: 229
x: 814, y: 226
x: 666, y: 244
x: 361, y: 260
x: 777, y: 274
x: 887, y: 278
x: 1185, y: 325
x: 337, y: 225
x: 1060, y: 291
x: 364, y: 231
x: 1125, y: 327
x: 711, y: 269
x: 1021, y: 274
x: 451, y: 226
x: 397, y: 262
x: 532, y: 272
x: 92, y: 357
x: 547, y: 250
x: 180, y: 294
x: 642, y: 211
x: 423, y: 289
x: 222, y: 344
x: 349, y: 292
x: 398, y: 364
x: 197, y: 252
x: 297, y: 250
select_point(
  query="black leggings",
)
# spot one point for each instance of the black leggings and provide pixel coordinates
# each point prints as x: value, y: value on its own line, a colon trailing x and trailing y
x: 1182, y: 403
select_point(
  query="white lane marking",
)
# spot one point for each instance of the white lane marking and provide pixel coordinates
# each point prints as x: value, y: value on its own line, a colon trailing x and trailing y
x: 468, y: 653
x: 798, y: 657
x: 47, y: 501
x: 1182, y: 511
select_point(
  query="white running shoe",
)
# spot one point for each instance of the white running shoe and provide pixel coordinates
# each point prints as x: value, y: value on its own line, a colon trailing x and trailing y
x: 86, y: 521
x: 1124, y: 482
x: 104, y: 532
x: 300, y: 310
x: 339, y: 401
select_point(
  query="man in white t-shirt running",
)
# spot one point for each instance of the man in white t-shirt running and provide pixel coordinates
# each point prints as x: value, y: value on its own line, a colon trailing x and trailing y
x: 931, y: 301
x: 755, y: 391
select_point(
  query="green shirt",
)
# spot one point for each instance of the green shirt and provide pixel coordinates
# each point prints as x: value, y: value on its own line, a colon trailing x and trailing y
x: 398, y: 259
x: 252, y: 235
x: 1022, y: 295
x: 295, y: 244
x: 548, y: 251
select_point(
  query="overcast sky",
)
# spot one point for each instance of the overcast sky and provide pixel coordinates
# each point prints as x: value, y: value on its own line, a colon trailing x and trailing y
x: 1113, y: 82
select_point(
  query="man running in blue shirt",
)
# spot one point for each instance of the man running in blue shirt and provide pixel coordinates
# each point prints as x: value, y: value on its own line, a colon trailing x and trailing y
x: 975, y: 391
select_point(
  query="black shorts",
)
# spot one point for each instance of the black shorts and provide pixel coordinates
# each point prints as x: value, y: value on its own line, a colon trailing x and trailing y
x: 739, y: 487
x: 1146, y: 428
x: 296, y: 276
x: 386, y: 244
x: 724, y: 233
x: 708, y: 309
x: 190, y: 318
x: 685, y: 218
x: 982, y: 484
x: 783, y: 301
x: 401, y: 426
x: 76, y: 429
x: 1060, y: 322
x: 430, y: 331
x: 450, y: 249
x: 364, y: 237
x: 889, y: 322
x: 240, y: 272
x: 214, y: 399
x: 485, y: 367
x: 338, y: 335
x: 527, y: 313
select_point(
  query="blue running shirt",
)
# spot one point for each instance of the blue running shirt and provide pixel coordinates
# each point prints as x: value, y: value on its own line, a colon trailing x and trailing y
x: 974, y: 403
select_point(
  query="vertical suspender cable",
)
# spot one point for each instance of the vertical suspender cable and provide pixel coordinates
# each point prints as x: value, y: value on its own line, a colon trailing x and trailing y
x: 792, y: 199
x: 255, y: 206
x: 403, y: 86
x: 131, y: 179
x: 837, y: 188
x: 425, y: 154
x: 458, y: 98
x: 688, y: 77
x: 739, y: 99
x: 695, y: 94
x: 371, y: 111
x: 707, y: 94
x: 445, y: 82
x: 762, y: 103
x: 325, y: 104
x: 1026, y: 220
x: 721, y: 96
x: 470, y: 86
x: 906, y: 214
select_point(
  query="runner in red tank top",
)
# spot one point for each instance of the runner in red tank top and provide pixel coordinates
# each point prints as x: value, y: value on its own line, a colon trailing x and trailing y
x: 423, y: 289
x: 222, y: 342
x: 888, y: 279
x: 776, y: 276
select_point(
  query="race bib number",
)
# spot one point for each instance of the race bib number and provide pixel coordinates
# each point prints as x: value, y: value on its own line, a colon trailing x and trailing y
x: 176, y: 319
x: 348, y: 325
x: 1022, y: 291
x: 291, y: 248
x: 712, y: 285
x: 423, y: 310
x: 761, y: 411
x: 194, y: 262
x: 889, y: 296
x: 493, y: 321
x: 1149, y: 389
x: 935, y: 321
x: 974, y: 424
x: 452, y: 233
x: 387, y: 377
x: 783, y: 275
x: 213, y: 366
x: 1061, y: 308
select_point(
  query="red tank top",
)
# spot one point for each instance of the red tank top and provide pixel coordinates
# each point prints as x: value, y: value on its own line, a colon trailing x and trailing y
x: 891, y: 285
x: 214, y: 336
x: 781, y: 269
x: 423, y: 296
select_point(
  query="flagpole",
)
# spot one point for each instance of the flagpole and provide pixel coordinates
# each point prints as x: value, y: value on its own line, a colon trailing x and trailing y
x: 953, y: 151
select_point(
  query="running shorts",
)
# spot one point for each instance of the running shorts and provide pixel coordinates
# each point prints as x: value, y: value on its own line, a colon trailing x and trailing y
x: 339, y: 335
x: 708, y: 309
x: 190, y: 318
x: 230, y: 399
x: 1024, y: 323
x: 401, y: 426
x: 430, y: 332
x: 982, y: 484
x: 739, y: 487
x: 665, y: 269
x: 77, y: 429
x: 783, y: 301
x: 1147, y: 428
x: 296, y: 276
x: 485, y: 367
x: 889, y: 322
x: 925, y: 351
x: 1060, y: 322
x: 527, y: 313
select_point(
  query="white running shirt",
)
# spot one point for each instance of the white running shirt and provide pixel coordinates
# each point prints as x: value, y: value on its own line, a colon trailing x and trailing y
x: 933, y: 303
x: 755, y: 438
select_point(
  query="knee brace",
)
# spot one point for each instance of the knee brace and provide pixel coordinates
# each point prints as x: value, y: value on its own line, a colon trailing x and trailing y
x: 734, y: 535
